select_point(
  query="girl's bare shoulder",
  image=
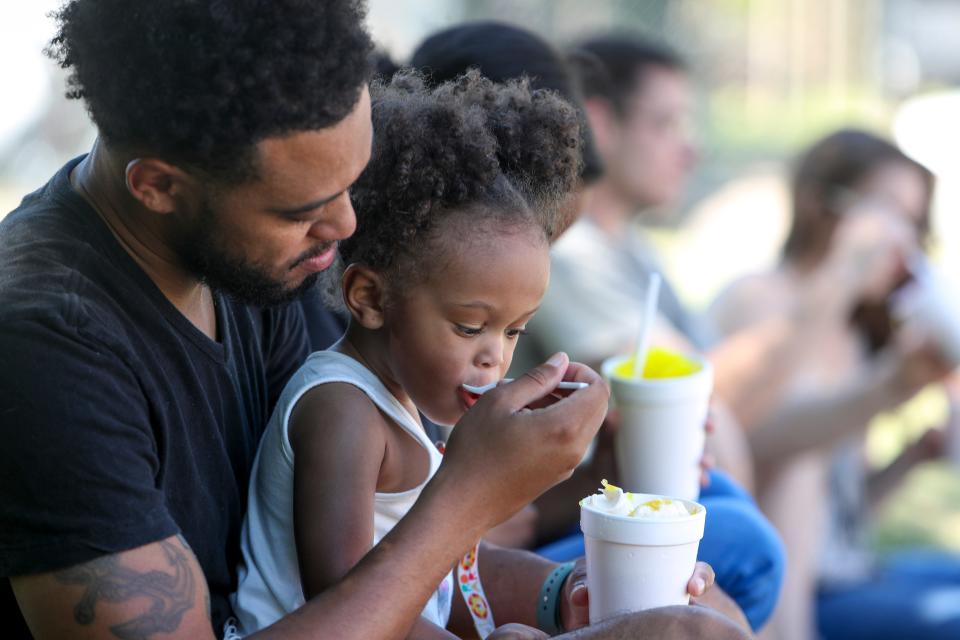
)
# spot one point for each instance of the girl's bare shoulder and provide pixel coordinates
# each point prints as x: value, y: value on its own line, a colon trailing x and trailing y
x: 334, y: 411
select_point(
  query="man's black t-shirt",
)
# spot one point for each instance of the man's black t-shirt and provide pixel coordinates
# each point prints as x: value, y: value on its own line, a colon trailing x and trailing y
x: 121, y: 423
x: 324, y: 325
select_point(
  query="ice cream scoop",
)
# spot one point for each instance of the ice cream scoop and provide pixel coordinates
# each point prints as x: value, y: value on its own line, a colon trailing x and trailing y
x: 613, y: 500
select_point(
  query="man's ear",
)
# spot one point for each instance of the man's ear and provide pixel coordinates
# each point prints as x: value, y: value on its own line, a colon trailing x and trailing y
x: 363, y: 292
x: 156, y: 184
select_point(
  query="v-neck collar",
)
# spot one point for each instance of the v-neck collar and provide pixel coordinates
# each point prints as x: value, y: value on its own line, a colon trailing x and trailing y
x: 64, y: 192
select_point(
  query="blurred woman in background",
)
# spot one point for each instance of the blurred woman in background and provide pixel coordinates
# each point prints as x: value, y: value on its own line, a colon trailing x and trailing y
x: 860, y: 217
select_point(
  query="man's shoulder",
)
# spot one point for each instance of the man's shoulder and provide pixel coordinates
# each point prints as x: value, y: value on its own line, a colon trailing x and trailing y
x: 60, y: 266
x: 51, y: 268
x: 54, y: 209
x: 44, y: 250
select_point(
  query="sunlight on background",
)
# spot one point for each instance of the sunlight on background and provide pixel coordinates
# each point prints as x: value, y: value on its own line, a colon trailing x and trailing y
x: 39, y: 128
x: 22, y: 65
x: 928, y: 128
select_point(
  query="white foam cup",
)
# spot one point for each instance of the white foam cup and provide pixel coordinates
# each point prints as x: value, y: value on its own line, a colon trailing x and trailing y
x: 637, y: 563
x: 659, y: 443
x: 932, y: 302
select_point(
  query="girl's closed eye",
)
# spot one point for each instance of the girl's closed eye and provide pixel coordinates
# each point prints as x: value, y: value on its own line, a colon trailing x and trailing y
x: 516, y: 333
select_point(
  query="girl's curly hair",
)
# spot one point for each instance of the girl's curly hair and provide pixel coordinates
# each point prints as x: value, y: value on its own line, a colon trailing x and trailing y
x: 469, y: 150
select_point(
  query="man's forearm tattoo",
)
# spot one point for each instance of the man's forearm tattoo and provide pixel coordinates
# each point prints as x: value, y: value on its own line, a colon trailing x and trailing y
x: 106, y: 579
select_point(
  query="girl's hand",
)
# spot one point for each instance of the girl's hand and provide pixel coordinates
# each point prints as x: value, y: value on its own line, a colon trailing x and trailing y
x: 575, y: 601
x: 516, y: 632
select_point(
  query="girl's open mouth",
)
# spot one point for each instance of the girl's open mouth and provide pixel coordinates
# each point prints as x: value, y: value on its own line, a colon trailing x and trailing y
x: 467, y: 398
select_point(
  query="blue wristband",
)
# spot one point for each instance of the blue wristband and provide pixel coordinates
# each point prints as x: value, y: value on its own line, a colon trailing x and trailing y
x: 548, y: 604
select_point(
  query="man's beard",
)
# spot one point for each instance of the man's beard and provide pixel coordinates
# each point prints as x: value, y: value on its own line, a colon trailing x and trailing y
x: 202, y: 253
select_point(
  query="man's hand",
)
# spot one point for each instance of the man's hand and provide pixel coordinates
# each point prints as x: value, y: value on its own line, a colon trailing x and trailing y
x: 503, y: 454
x: 575, y: 601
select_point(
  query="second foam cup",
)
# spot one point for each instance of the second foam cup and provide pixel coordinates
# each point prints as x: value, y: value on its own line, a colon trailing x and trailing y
x: 660, y: 439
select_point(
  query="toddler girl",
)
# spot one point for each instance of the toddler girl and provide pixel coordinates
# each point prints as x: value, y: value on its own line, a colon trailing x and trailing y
x: 448, y: 263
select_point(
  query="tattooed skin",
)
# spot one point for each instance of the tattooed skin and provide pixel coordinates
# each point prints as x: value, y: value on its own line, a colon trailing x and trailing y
x: 106, y: 579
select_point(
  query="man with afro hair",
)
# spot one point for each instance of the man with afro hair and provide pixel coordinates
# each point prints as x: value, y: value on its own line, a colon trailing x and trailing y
x: 144, y: 335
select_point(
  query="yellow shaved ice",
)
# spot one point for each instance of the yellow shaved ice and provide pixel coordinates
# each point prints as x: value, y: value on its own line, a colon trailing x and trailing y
x: 660, y: 363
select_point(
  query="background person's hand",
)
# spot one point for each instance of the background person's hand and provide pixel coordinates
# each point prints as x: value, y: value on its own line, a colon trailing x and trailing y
x: 607, y: 437
x: 869, y: 251
x: 575, y: 599
x: 915, y: 361
x: 708, y: 461
x: 503, y: 454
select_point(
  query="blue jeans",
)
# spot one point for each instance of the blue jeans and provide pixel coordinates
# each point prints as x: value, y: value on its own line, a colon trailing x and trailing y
x: 740, y: 544
x: 915, y: 594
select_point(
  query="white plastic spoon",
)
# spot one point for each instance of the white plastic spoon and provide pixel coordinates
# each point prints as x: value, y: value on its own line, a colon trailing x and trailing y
x: 493, y: 385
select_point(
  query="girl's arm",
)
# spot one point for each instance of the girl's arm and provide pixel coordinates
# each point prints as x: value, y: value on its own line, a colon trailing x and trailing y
x: 338, y: 438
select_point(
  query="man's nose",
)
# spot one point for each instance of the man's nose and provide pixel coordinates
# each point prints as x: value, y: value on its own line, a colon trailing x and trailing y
x: 339, y: 222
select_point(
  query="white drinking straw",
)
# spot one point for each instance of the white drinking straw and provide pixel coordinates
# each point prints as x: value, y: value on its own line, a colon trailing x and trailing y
x: 646, y: 324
